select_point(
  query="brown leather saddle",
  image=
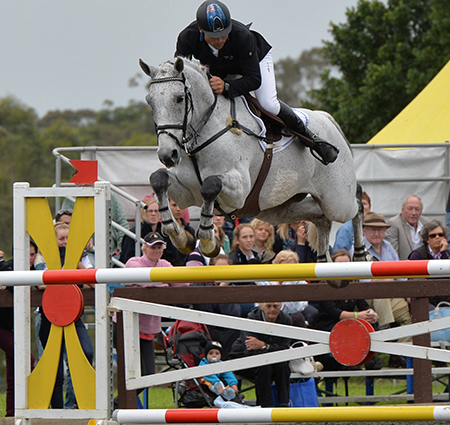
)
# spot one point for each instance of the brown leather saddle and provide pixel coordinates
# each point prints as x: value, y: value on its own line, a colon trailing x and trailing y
x: 273, y: 124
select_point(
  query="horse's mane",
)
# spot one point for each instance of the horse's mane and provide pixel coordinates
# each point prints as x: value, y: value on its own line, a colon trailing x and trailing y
x: 193, y: 65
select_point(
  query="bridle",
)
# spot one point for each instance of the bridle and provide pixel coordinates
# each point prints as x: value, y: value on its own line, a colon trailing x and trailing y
x: 185, y: 143
x: 188, y: 109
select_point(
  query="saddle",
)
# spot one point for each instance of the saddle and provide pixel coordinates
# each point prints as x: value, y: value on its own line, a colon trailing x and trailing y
x: 274, y: 124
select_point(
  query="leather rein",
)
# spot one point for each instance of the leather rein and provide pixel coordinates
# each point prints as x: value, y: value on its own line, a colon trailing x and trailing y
x: 251, y: 206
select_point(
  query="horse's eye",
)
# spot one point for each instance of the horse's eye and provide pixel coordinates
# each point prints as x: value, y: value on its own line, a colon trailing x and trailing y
x: 180, y: 99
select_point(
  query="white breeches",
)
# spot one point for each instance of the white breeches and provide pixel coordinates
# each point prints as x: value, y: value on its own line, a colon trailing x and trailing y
x: 267, y: 92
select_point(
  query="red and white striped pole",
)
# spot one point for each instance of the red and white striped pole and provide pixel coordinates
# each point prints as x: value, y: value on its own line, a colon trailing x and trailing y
x: 307, y: 271
x: 284, y: 415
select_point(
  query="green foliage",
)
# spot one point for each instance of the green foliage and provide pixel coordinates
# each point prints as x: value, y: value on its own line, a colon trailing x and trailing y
x: 386, y: 54
x: 27, y: 142
x: 297, y: 77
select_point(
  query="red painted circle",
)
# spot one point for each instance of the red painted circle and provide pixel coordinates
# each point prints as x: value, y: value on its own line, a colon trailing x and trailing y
x: 350, y: 342
x: 370, y: 329
x: 63, y: 304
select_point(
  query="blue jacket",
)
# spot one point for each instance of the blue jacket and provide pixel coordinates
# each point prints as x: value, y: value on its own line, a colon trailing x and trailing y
x: 226, y: 377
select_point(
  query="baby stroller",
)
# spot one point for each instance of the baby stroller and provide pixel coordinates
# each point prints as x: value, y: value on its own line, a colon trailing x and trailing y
x: 185, y: 342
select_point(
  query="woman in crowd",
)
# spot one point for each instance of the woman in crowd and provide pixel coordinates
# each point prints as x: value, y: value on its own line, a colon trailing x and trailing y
x: 150, y: 222
x: 219, y: 220
x: 264, y: 240
x: 153, y: 248
x: 242, y: 248
x: 294, y: 236
x: 242, y: 253
x: 435, y: 247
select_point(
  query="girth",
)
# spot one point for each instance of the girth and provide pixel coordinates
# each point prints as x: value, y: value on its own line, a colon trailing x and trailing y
x: 251, y: 205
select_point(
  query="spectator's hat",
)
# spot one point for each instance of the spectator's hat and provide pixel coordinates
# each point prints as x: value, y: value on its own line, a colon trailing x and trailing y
x: 153, y: 238
x: 374, y: 219
x: 213, y: 345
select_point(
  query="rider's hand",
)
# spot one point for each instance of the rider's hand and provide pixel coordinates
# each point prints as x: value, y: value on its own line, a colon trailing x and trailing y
x: 217, y: 85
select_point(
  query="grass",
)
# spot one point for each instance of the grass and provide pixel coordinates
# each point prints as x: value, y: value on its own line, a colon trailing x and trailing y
x: 161, y: 397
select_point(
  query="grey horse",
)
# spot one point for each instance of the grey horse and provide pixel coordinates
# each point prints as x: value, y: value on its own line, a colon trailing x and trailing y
x: 214, y: 159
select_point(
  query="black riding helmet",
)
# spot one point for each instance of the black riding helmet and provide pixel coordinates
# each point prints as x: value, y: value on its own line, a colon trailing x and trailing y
x: 214, y: 18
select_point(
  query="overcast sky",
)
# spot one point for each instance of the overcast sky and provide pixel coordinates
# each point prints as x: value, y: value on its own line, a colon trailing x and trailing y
x: 74, y: 54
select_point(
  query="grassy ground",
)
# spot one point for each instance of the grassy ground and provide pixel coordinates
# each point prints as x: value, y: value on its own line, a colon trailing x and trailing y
x: 161, y: 397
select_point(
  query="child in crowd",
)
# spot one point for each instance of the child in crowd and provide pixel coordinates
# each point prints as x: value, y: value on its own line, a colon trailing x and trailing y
x: 222, y: 384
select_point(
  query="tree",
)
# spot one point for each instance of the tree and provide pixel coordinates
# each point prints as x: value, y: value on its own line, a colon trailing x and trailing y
x: 296, y: 78
x: 386, y: 54
x: 19, y: 144
x: 27, y: 143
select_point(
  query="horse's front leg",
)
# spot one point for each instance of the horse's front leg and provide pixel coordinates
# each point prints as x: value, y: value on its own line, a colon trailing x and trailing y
x: 208, y: 244
x: 183, y: 240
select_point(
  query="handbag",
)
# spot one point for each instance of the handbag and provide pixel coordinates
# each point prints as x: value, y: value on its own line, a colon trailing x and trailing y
x: 302, y: 393
x: 441, y: 310
x: 306, y: 366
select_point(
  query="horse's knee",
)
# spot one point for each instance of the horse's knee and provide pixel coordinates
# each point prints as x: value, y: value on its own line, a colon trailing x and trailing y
x: 159, y: 181
x: 211, y: 187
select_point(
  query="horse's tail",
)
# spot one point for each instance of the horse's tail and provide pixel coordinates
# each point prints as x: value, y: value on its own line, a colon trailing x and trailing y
x: 335, y: 123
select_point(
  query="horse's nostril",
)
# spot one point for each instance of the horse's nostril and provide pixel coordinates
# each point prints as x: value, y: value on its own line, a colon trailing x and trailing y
x: 169, y: 159
x: 174, y: 156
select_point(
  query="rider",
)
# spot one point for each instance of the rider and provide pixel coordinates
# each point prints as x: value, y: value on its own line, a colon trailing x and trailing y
x: 230, y: 48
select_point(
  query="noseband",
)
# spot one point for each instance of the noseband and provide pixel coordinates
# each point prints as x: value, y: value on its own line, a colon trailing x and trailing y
x: 189, y: 107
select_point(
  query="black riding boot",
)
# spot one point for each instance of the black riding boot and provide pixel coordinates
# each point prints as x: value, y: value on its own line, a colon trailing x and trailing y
x: 326, y: 151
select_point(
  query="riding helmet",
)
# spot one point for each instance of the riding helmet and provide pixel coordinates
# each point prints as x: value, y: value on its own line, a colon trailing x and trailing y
x: 214, y: 18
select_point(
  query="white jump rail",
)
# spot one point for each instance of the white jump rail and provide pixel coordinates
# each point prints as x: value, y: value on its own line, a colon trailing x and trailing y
x: 379, y: 341
x: 284, y: 415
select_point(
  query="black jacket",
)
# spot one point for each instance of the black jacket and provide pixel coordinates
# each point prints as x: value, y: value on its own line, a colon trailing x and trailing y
x: 330, y: 311
x: 240, y: 55
x: 274, y: 342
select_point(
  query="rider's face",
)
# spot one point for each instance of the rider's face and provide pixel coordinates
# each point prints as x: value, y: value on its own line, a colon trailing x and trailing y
x: 217, y: 43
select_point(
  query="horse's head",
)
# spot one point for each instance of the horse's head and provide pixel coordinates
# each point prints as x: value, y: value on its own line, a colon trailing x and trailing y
x: 172, y: 103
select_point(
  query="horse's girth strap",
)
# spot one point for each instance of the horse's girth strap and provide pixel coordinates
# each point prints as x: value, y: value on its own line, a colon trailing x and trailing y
x: 251, y: 206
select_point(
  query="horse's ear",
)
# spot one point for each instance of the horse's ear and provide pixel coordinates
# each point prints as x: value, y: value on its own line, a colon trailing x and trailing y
x: 144, y: 67
x: 179, y: 65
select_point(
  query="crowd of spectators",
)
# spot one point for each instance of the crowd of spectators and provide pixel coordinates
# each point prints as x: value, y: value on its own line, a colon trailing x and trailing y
x: 408, y: 235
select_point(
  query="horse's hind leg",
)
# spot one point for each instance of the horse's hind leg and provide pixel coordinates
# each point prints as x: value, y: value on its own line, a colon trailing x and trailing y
x: 183, y: 240
x: 361, y: 253
x: 208, y: 244
x: 323, y: 249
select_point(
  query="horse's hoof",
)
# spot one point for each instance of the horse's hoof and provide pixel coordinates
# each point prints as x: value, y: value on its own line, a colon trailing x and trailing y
x: 214, y: 253
x: 338, y: 284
